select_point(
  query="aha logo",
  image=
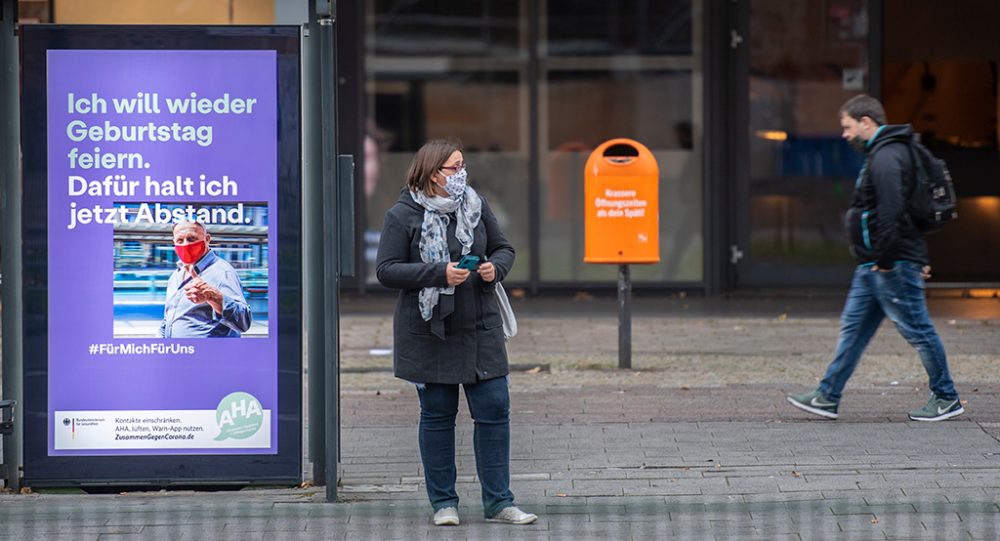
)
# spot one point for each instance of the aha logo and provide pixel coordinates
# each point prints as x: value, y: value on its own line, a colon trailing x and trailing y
x: 239, y: 416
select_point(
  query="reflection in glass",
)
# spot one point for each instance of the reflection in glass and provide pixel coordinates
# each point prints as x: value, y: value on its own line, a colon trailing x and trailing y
x: 801, y: 172
x: 591, y: 107
x: 599, y: 27
x: 441, y: 27
x: 443, y: 68
x: 652, y: 107
x: 946, y: 88
x: 481, y: 109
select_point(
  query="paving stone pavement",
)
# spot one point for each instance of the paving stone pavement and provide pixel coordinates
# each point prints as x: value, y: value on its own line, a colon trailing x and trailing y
x: 696, y: 443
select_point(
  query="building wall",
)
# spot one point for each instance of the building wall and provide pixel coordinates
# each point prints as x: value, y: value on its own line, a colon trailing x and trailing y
x: 164, y: 12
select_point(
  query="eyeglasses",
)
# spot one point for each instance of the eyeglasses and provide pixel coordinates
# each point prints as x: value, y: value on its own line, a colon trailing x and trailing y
x: 455, y: 168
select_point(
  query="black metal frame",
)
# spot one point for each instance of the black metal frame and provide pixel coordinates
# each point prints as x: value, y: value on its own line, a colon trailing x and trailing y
x: 722, y: 123
x: 876, y: 46
x: 534, y: 140
x: 352, y: 107
x: 43, y: 470
x: 738, y: 103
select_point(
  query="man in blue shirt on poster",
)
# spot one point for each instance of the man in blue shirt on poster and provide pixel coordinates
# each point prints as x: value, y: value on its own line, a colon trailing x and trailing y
x: 204, y: 295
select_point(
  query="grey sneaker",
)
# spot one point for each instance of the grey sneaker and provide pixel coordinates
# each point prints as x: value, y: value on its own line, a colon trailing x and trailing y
x: 513, y: 515
x: 815, y: 403
x: 938, y: 410
x: 446, y: 516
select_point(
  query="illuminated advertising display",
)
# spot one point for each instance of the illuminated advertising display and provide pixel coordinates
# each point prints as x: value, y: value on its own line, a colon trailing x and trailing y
x: 165, y: 184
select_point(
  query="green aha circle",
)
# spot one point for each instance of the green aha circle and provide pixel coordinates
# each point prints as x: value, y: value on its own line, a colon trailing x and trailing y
x: 239, y: 416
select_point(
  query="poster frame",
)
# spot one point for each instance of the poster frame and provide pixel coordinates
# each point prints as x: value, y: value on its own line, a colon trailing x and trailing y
x: 284, y: 467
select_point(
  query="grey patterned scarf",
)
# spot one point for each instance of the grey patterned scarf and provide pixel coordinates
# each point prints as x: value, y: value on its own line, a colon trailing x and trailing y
x: 467, y: 207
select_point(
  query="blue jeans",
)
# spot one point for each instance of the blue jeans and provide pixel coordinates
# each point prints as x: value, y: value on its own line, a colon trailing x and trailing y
x: 489, y: 405
x: 898, y: 294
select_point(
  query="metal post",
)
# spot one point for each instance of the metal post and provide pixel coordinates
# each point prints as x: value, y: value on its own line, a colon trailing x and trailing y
x: 10, y: 208
x: 312, y: 243
x: 624, y: 318
x: 535, y: 148
x: 331, y: 241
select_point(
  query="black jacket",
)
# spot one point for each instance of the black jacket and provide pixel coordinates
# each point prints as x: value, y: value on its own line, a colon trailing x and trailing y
x: 878, y: 223
x: 473, y: 347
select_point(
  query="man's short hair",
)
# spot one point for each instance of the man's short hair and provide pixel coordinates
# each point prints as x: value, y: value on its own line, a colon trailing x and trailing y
x: 197, y: 224
x: 864, y: 105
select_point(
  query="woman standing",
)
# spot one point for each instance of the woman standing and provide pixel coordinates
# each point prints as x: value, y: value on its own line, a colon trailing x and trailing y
x: 447, y: 328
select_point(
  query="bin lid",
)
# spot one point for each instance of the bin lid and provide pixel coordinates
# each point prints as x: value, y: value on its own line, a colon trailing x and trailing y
x: 621, y: 157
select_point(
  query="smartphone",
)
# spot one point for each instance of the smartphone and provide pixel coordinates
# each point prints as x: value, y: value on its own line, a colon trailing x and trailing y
x: 469, y: 262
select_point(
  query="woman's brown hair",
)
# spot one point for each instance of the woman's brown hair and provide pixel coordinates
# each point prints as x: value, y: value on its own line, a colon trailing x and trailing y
x: 429, y: 160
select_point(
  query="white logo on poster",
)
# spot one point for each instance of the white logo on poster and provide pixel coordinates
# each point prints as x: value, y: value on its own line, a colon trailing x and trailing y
x: 239, y: 409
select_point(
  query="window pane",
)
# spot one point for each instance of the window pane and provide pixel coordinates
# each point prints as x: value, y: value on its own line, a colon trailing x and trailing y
x: 600, y: 27
x: 483, y: 110
x: 593, y: 106
x: 652, y: 107
x: 442, y: 27
x: 806, y: 58
x: 480, y: 108
x: 946, y: 87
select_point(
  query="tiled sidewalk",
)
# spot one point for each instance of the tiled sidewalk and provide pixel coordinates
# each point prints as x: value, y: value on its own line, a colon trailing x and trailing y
x: 697, y: 443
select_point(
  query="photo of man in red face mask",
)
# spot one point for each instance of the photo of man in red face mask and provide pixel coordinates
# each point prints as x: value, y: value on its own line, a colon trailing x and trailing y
x: 204, y: 295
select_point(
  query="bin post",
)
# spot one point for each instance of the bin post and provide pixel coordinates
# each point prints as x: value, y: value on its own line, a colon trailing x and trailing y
x: 624, y: 318
x: 622, y: 220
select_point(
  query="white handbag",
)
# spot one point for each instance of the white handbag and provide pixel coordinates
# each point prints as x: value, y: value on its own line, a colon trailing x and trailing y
x: 506, y: 312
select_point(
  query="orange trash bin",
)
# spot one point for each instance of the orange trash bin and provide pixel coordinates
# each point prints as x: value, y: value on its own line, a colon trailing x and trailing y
x: 621, y: 206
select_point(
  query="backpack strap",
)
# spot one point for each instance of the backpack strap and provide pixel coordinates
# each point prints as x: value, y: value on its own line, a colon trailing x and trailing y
x: 914, y: 161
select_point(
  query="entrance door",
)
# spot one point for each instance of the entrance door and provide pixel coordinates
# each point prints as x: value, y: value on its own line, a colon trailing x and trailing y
x: 805, y: 58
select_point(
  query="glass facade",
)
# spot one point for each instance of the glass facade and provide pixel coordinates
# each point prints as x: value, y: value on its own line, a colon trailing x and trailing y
x: 444, y: 69
x: 947, y: 88
x: 806, y: 58
x: 530, y: 88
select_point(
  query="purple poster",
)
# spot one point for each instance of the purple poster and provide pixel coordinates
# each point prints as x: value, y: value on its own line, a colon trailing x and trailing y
x: 162, y: 183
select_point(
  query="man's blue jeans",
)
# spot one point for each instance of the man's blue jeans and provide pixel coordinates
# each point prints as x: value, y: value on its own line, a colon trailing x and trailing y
x: 489, y: 405
x: 898, y: 294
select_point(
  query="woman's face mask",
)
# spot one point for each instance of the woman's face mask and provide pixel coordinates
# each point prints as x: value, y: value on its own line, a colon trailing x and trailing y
x: 455, y: 184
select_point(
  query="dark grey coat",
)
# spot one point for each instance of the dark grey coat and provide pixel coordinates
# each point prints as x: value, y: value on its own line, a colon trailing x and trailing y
x: 473, y: 347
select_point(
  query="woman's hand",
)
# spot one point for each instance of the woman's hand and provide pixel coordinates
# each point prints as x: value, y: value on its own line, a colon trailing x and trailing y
x: 487, y: 272
x: 456, y: 275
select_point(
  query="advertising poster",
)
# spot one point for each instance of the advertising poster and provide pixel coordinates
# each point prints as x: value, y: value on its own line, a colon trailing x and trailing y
x: 162, y: 255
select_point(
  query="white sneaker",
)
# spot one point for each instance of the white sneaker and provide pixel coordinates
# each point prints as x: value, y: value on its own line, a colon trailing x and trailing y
x: 446, y: 516
x: 513, y: 515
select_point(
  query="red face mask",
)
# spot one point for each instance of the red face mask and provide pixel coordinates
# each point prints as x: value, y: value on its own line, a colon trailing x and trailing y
x: 192, y: 252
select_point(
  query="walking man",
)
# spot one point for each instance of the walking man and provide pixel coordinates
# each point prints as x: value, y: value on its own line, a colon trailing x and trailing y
x: 892, y: 266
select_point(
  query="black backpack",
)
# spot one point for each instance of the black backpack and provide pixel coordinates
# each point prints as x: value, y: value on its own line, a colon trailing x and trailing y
x: 932, y: 202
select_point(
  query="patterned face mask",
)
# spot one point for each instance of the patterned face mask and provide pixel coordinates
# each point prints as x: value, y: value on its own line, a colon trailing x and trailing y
x: 455, y: 184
